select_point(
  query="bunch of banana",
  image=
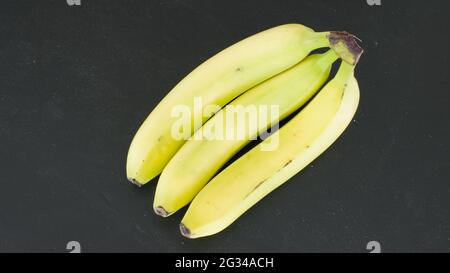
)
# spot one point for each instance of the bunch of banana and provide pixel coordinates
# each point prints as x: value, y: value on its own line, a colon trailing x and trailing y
x: 268, y: 68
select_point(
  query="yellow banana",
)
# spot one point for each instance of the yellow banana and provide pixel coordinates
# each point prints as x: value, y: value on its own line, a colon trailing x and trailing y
x: 200, y: 158
x: 218, y: 81
x: 254, y: 175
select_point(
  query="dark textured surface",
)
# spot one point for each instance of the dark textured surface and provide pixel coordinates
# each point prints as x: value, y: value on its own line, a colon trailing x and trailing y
x: 76, y: 82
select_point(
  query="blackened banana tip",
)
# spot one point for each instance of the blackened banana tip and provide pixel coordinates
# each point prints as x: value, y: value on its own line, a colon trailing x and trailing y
x: 161, y: 211
x: 185, y: 231
x: 134, y: 182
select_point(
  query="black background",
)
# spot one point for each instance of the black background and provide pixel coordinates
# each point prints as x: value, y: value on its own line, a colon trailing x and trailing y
x: 77, y: 81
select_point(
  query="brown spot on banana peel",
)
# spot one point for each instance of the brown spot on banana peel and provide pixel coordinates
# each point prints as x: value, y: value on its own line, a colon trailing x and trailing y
x: 262, y: 182
x: 343, y: 92
x: 345, y: 46
x: 287, y: 163
x: 257, y: 186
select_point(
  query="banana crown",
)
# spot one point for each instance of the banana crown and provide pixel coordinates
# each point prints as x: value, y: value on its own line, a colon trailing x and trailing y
x: 265, y: 69
x: 345, y: 45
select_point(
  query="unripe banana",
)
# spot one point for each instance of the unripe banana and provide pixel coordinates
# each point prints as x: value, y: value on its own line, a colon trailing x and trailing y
x: 254, y: 175
x: 218, y: 81
x: 200, y: 158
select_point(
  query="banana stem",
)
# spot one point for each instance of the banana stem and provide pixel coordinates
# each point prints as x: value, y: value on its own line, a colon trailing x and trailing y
x: 346, y: 46
x: 345, y: 71
x: 318, y: 39
x: 327, y: 58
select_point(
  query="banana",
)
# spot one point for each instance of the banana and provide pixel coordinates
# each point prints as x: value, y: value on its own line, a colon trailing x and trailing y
x: 254, y: 175
x: 200, y: 158
x: 218, y: 81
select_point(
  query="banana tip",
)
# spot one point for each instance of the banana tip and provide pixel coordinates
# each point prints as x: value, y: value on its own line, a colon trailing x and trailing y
x: 161, y: 211
x: 134, y: 182
x: 185, y: 231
